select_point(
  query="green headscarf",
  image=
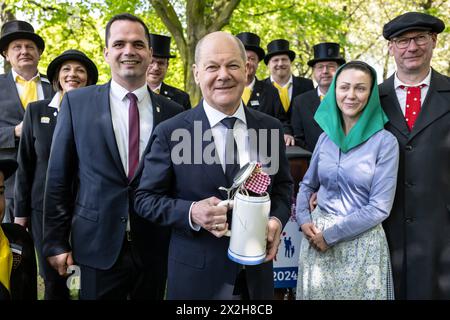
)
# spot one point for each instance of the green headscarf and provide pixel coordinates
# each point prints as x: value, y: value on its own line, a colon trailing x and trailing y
x: 372, y: 118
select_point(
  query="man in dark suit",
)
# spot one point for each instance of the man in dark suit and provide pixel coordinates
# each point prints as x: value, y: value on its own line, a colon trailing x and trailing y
x: 180, y: 189
x: 22, y: 48
x: 325, y: 63
x: 157, y: 71
x: 416, y: 100
x: 279, y: 59
x: 102, y: 132
x: 258, y: 94
x: 18, y: 272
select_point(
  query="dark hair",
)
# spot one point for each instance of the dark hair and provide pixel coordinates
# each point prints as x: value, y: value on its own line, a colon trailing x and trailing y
x: 57, y: 86
x: 129, y: 17
x: 361, y: 66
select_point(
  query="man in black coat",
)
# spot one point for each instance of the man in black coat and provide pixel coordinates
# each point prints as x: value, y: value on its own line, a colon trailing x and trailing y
x: 416, y: 100
x: 258, y: 94
x: 22, y: 48
x: 18, y: 272
x: 325, y: 63
x: 279, y: 59
x: 157, y: 71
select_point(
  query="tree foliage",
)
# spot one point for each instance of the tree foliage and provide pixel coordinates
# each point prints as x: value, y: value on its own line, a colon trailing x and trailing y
x: 355, y: 24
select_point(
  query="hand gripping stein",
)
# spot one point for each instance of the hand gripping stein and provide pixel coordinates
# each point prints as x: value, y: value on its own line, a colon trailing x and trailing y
x: 250, y: 203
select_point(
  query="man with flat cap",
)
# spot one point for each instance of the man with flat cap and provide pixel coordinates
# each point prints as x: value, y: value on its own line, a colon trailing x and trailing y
x: 258, y: 94
x: 157, y: 71
x: 416, y: 99
x: 279, y: 59
x: 22, y: 48
x: 18, y: 272
x: 326, y: 60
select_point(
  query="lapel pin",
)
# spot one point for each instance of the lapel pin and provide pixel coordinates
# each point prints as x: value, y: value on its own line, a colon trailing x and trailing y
x: 165, y: 92
x: 158, y: 109
x: 45, y: 120
x: 257, y: 94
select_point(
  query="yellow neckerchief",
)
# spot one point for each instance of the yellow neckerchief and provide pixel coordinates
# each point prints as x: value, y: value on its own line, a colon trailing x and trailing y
x: 6, y: 260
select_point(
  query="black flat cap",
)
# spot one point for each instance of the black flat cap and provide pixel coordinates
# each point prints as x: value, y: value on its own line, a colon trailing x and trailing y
x: 412, y: 21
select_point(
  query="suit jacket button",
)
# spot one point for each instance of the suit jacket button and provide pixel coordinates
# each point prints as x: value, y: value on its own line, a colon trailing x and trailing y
x: 123, y: 219
x: 408, y: 148
x: 409, y: 220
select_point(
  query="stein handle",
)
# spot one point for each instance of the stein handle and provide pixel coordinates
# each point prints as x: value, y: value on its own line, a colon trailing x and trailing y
x: 229, y: 204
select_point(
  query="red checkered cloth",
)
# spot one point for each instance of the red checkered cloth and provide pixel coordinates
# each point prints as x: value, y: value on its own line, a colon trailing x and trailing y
x: 258, y: 181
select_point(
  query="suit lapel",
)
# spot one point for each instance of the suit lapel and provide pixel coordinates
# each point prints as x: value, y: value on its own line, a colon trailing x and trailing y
x: 46, y: 87
x: 213, y: 171
x: 434, y: 105
x: 106, y: 124
x: 12, y: 89
x: 391, y: 107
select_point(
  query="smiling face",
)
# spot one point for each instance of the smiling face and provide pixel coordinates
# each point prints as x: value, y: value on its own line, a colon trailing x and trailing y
x: 220, y: 71
x: 280, y: 67
x: 72, y: 75
x: 23, y: 54
x: 128, y: 54
x: 414, y: 58
x: 352, y: 93
x: 157, y: 70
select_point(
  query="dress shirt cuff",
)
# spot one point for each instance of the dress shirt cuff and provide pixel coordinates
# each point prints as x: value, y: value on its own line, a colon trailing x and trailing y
x: 331, y: 236
x: 303, y: 218
x: 193, y: 225
x: 277, y: 220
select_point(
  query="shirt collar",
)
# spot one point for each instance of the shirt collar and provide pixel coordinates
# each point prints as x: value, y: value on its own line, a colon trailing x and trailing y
x: 56, y: 100
x: 426, y: 81
x: 215, y: 116
x: 320, y: 93
x: 119, y: 92
x: 289, y: 83
x: 252, y: 84
x: 15, y: 75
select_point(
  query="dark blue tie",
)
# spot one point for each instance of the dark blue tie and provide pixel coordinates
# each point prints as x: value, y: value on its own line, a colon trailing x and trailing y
x: 231, y: 150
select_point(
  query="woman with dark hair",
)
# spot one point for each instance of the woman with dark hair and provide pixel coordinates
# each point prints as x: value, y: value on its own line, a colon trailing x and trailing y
x: 344, y: 253
x: 70, y: 70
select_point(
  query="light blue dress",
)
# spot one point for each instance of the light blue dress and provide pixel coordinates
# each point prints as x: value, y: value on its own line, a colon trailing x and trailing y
x: 355, y: 194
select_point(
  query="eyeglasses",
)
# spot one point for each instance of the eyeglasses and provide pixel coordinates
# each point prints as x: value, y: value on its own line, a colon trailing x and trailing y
x: 420, y: 40
x: 319, y: 66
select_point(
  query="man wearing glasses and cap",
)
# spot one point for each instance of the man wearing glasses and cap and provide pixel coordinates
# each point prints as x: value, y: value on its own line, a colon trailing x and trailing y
x: 22, y: 48
x: 325, y: 63
x: 416, y: 99
x: 157, y: 71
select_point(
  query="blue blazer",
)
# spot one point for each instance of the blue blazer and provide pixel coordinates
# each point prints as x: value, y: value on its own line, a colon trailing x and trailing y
x: 198, y: 264
x: 84, y: 150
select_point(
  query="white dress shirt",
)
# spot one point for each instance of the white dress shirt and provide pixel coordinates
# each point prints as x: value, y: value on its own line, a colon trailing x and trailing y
x: 401, y: 93
x: 119, y: 104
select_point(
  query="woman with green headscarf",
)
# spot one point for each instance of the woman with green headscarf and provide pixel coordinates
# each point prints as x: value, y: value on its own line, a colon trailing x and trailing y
x: 344, y: 253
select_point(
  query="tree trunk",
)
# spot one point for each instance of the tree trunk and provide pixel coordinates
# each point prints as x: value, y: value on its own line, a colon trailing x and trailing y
x: 198, y: 24
x: 5, y: 16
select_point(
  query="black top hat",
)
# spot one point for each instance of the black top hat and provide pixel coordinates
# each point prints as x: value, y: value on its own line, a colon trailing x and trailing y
x: 277, y: 47
x: 17, y: 29
x: 161, y: 46
x: 412, y: 21
x: 73, y: 55
x: 251, y: 42
x: 8, y: 167
x: 326, y: 51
